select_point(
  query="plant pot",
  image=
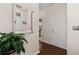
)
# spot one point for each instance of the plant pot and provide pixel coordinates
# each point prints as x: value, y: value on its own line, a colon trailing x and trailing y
x: 8, y: 53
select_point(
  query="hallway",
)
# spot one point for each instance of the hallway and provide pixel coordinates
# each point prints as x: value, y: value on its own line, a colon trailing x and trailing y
x: 47, y: 49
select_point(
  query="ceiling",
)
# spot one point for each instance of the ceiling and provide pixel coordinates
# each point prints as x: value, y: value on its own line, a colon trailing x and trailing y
x: 44, y: 5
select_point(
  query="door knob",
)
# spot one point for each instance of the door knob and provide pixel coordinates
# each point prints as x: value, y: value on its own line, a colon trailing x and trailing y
x: 76, y: 27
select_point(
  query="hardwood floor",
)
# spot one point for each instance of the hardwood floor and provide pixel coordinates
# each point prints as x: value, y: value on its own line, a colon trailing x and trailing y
x: 47, y: 49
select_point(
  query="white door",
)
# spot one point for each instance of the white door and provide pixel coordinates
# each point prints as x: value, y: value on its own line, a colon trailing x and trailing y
x: 59, y: 30
x: 72, y: 35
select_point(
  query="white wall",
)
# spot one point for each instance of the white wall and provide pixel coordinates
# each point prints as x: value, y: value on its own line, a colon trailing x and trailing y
x: 46, y: 15
x: 6, y: 25
x: 72, y: 36
x: 5, y: 17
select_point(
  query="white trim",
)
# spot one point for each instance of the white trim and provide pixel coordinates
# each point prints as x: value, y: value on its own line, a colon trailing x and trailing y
x: 46, y: 42
x: 36, y: 52
x: 50, y: 43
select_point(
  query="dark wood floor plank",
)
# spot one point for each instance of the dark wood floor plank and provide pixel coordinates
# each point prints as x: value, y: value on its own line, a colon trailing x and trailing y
x: 47, y: 49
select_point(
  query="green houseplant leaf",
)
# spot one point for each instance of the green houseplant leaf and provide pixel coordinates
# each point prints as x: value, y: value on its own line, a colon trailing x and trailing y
x: 10, y: 42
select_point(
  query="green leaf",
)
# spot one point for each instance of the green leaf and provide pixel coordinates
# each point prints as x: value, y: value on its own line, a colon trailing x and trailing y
x: 10, y: 41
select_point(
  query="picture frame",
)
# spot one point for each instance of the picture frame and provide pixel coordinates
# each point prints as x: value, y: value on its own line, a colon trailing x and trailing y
x: 22, y: 19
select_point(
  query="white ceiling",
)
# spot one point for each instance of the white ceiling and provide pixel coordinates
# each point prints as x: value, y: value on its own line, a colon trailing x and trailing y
x: 44, y: 5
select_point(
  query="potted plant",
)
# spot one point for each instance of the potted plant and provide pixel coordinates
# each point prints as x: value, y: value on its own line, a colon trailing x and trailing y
x: 11, y: 42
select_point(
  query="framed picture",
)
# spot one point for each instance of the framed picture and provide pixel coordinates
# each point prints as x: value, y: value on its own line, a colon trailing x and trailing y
x: 22, y: 19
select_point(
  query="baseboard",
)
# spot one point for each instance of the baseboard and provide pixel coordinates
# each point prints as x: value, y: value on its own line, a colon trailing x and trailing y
x: 46, y: 42
x: 36, y: 53
x: 51, y: 43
